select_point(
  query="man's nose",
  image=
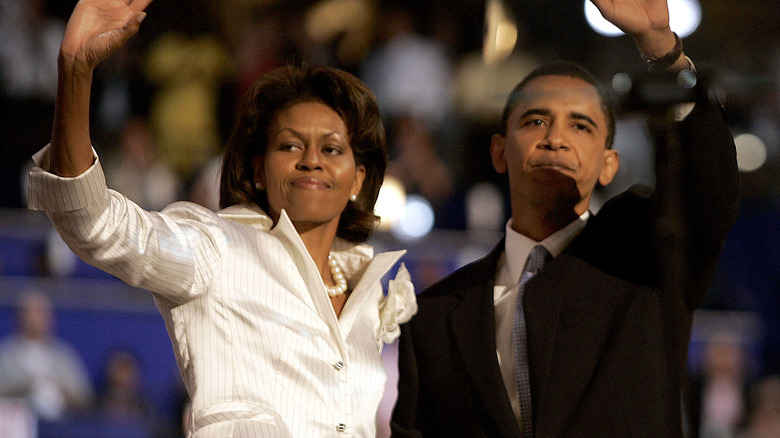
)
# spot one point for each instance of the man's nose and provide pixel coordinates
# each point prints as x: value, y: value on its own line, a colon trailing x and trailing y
x: 554, y: 138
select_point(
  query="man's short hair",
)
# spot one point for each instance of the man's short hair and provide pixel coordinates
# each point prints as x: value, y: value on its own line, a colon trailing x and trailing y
x: 568, y: 69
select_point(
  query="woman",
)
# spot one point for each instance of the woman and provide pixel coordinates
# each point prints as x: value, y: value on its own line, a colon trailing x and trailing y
x: 277, y: 320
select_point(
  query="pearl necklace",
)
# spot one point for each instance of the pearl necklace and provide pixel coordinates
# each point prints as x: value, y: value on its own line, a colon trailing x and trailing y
x: 338, y: 277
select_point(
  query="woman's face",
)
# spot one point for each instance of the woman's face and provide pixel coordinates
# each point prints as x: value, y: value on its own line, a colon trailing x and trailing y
x: 308, y: 168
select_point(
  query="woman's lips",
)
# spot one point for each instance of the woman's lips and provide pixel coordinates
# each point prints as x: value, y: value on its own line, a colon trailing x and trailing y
x: 309, y: 183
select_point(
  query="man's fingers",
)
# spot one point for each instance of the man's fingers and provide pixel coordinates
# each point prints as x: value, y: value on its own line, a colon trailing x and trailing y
x: 139, y: 5
x: 131, y: 26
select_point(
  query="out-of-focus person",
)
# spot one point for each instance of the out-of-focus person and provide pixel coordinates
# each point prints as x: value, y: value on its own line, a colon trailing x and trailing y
x: 37, y: 366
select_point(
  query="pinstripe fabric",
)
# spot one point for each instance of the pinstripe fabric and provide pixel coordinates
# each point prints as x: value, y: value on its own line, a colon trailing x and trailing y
x: 258, y: 344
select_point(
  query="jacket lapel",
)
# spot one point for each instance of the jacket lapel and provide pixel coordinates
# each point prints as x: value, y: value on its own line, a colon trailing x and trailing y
x: 285, y: 231
x: 569, y: 306
x: 376, y: 269
x: 472, y: 322
x: 542, y: 309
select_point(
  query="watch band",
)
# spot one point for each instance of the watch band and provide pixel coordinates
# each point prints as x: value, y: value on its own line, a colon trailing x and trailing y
x: 669, y: 59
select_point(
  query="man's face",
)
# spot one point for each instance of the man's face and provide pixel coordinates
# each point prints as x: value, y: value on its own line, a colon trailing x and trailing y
x: 554, y: 145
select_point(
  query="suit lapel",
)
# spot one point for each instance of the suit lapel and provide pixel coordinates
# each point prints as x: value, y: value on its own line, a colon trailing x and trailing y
x: 567, y: 330
x: 472, y: 322
x: 542, y: 309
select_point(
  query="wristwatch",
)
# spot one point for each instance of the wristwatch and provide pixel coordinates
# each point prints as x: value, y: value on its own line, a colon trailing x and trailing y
x: 667, y: 60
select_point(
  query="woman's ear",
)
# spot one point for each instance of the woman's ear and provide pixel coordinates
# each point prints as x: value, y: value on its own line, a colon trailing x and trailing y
x: 258, y: 171
x: 357, y: 184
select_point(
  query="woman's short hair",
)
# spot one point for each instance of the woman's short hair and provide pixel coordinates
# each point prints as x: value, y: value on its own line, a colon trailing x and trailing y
x: 279, y: 90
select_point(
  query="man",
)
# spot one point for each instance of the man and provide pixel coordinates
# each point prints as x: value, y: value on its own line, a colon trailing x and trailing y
x: 601, y: 334
x: 37, y: 366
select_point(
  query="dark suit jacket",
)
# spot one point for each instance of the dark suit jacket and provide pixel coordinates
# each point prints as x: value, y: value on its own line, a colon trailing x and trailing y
x: 608, y: 320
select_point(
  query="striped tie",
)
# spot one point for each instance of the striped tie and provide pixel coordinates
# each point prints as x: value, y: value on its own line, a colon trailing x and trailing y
x: 536, y: 259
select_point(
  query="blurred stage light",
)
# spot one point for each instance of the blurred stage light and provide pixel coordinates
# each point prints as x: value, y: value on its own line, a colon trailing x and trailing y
x: 347, y: 22
x: 416, y: 221
x: 751, y: 152
x: 485, y: 207
x: 500, y: 32
x: 622, y: 83
x: 390, y: 203
x: 684, y: 18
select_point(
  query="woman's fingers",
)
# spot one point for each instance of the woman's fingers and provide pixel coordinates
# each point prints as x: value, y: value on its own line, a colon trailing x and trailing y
x: 97, y: 28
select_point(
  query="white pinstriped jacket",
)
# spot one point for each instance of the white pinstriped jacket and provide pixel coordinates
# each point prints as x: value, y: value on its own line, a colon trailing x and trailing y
x: 257, y: 342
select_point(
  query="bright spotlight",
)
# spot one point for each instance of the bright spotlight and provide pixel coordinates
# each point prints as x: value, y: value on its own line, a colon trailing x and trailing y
x: 417, y: 219
x: 684, y: 18
x: 598, y: 23
x: 390, y: 202
x: 751, y: 152
x: 500, y: 32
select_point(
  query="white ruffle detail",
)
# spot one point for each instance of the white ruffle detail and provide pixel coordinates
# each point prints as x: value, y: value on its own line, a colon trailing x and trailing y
x: 398, y: 306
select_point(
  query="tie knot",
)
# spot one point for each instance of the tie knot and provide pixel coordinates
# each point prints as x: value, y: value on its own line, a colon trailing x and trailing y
x: 536, y: 259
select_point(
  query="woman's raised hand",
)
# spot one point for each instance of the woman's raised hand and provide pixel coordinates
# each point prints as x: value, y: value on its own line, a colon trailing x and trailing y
x: 97, y: 28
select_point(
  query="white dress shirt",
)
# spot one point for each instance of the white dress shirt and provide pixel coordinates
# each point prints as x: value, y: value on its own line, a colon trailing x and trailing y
x: 259, y: 346
x: 517, y: 247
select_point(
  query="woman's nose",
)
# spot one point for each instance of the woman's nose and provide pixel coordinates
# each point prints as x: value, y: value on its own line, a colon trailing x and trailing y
x: 310, y: 159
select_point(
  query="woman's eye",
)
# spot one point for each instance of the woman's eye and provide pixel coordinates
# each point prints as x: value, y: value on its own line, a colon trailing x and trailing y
x: 332, y: 149
x: 288, y: 147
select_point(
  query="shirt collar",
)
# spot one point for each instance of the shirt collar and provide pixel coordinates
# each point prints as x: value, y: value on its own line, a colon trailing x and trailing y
x: 351, y: 257
x: 517, y: 246
x: 247, y: 214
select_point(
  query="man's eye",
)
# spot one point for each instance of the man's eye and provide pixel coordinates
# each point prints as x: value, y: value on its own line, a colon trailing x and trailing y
x: 535, y: 122
x: 582, y: 127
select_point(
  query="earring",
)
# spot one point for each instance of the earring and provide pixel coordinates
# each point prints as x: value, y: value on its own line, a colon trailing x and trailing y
x: 258, y: 186
x: 353, y: 198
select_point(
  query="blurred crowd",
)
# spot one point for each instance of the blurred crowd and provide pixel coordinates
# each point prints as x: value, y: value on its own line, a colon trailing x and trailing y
x: 46, y: 389
x: 164, y: 105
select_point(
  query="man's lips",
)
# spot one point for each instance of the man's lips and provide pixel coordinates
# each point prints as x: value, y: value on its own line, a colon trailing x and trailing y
x: 551, y: 163
x: 309, y: 183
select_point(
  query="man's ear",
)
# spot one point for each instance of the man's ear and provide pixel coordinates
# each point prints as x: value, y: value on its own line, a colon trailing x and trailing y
x: 610, y: 166
x: 497, y: 145
x: 258, y: 172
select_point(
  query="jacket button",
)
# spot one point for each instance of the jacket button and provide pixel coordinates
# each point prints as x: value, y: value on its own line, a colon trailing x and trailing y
x: 338, y: 365
x: 341, y: 427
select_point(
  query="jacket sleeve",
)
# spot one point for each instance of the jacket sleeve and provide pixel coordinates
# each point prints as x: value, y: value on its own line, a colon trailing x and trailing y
x: 406, y: 413
x: 173, y: 253
x: 696, y: 199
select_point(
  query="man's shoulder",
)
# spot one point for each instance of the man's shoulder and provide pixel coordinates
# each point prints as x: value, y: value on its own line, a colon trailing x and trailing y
x: 633, y: 202
x: 633, y: 194
x: 474, y: 274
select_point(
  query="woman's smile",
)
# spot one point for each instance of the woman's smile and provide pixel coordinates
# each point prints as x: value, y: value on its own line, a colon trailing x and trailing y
x: 310, y: 183
x: 308, y: 169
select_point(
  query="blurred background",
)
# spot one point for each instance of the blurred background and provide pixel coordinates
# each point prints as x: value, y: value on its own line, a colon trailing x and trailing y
x: 163, y: 108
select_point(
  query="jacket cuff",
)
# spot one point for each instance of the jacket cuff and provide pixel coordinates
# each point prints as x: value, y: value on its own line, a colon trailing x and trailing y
x: 49, y: 192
